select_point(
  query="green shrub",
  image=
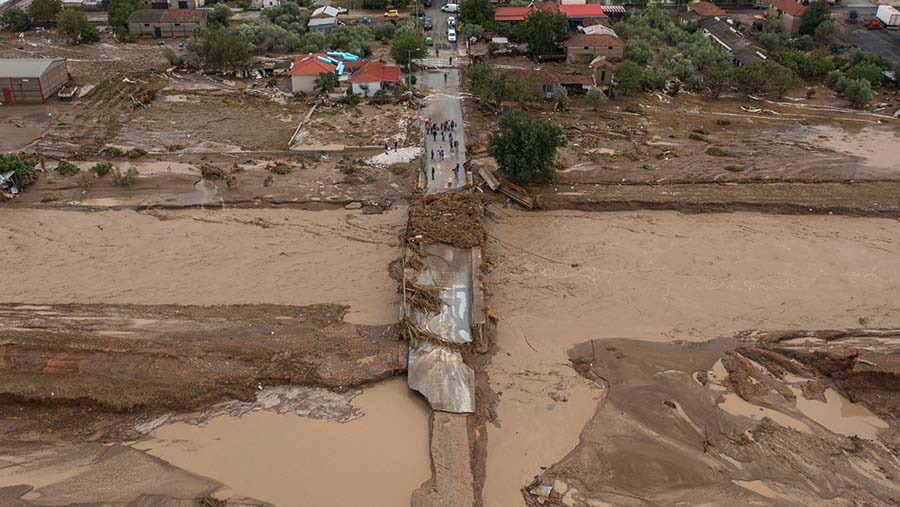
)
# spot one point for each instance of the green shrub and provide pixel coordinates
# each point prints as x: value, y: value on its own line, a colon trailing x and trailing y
x: 65, y: 168
x: 859, y: 93
x: 14, y: 19
x: 867, y: 71
x: 24, y: 174
x: 280, y: 168
x: 102, y: 168
x: 124, y: 179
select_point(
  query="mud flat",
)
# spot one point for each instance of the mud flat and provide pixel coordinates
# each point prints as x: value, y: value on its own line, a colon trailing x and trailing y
x: 377, y: 457
x: 563, y: 278
x: 205, y: 258
x: 287, y: 460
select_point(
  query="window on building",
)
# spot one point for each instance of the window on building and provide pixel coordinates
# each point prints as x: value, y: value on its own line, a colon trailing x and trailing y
x: 146, y: 24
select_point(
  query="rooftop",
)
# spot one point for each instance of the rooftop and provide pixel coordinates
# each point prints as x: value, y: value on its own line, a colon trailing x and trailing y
x: 25, y: 67
x: 373, y: 72
x: 707, y: 9
x: 310, y: 65
x: 593, y: 40
x: 326, y: 11
x: 582, y: 11
x: 183, y: 15
x: 321, y: 21
x: 789, y: 6
x: 512, y: 13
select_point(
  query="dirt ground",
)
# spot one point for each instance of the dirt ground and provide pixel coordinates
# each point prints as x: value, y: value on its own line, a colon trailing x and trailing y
x: 563, y: 278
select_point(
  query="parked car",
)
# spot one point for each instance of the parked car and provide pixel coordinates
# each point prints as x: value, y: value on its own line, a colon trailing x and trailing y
x: 427, y: 3
x: 426, y: 23
x: 392, y: 14
x: 451, y: 35
x: 419, y: 13
x: 760, y: 5
x: 450, y: 8
x: 451, y: 22
x: 342, y: 10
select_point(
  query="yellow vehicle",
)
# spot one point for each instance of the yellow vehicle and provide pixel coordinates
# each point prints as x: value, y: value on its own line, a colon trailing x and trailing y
x: 392, y: 14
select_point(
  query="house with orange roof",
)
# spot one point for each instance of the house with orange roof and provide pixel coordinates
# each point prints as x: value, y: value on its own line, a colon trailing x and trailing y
x: 306, y: 69
x: 374, y: 76
x: 789, y: 12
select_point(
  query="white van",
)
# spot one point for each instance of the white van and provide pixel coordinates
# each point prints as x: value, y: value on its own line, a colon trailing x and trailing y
x: 451, y: 35
x: 450, y: 8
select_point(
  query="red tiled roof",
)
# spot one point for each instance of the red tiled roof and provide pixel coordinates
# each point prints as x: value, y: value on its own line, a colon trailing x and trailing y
x: 707, y: 9
x: 789, y: 6
x: 376, y: 72
x: 582, y: 11
x: 309, y: 65
x: 597, y: 63
x: 547, y: 7
x: 183, y: 16
x: 594, y: 41
x: 512, y: 13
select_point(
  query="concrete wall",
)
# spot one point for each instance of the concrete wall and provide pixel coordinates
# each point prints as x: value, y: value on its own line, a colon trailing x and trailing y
x: 365, y: 89
x: 166, y: 29
x: 306, y: 84
x: 579, y: 54
x: 34, y: 90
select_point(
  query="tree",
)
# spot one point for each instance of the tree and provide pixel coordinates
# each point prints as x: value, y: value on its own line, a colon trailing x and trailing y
x: 561, y: 96
x: 595, y: 97
x: 807, y: 67
x: 543, y: 31
x: 118, y: 12
x: 638, y: 51
x: 76, y: 27
x: 859, y: 93
x: 14, y: 19
x: 407, y: 46
x: 825, y: 32
x: 219, y: 15
x: 383, y: 31
x: 815, y: 14
x: 473, y: 31
x: 220, y: 49
x: 476, y: 12
x: 867, y: 71
x: 312, y: 42
x: 44, y: 12
x: 354, y: 40
x: 525, y: 147
x: 24, y: 174
x: 326, y: 82
x: 627, y: 77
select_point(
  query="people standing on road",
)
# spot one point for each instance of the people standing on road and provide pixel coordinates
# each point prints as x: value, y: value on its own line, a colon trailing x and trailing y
x: 442, y: 153
x: 445, y: 77
x: 432, y: 154
x: 456, y: 170
x: 443, y: 137
x: 449, y: 182
x: 427, y: 123
x: 395, y: 145
x: 434, y: 135
x: 451, y: 137
x: 386, y: 147
x: 457, y: 146
x: 432, y: 173
x: 451, y: 60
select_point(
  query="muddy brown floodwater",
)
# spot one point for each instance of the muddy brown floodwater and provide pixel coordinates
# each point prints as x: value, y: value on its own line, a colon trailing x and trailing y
x: 205, y: 258
x: 563, y: 278
x: 291, y: 461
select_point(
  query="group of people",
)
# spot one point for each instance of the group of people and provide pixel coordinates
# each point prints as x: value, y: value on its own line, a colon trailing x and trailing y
x: 446, y: 129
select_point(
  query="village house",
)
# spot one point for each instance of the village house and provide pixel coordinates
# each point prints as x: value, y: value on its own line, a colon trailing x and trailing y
x: 700, y: 10
x: 583, y: 48
x: 602, y: 72
x: 548, y: 81
x: 166, y: 22
x: 789, y: 12
x: 513, y: 15
x: 306, y: 69
x: 175, y: 4
x: 373, y: 76
x: 31, y: 80
x: 323, y: 19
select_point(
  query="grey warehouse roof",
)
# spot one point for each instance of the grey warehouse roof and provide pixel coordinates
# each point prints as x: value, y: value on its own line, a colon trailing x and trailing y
x: 25, y: 67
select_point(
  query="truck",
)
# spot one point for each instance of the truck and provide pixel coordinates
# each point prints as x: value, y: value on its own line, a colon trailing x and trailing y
x: 889, y: 16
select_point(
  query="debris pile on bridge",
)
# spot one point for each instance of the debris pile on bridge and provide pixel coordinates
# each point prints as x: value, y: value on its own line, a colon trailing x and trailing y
x: 453, y: 218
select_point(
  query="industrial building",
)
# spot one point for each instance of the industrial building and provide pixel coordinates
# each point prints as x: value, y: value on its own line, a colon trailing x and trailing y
x: 31, y: 80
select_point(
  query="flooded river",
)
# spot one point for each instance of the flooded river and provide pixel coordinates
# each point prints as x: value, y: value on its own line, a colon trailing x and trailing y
x: 291, y: 461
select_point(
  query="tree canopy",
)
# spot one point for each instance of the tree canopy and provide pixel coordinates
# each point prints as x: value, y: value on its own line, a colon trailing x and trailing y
x: 220, y: 49
x: 525, y: 147
x: 543, y: 31
x: 44, y: 12
x: 76, y: 27
x: 815, y: 14
x: 407, y: 46
x: 118, y: 12
x: 14, y: 19
x: 477, y: 12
